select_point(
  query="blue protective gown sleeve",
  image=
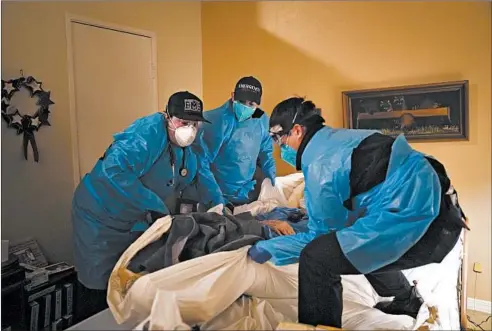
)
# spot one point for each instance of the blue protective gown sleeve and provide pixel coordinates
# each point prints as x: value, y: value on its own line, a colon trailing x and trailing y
x: 265, y: 157
x: 207, y: 145
x: 132, y: 153
x: 398, y: 211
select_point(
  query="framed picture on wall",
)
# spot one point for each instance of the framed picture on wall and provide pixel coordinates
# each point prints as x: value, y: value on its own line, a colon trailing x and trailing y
x: 420, y: 112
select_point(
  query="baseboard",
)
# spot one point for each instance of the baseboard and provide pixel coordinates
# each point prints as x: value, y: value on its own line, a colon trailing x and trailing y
x: 479, y: 305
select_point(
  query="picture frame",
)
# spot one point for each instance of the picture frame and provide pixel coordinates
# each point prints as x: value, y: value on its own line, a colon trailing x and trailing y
x: 438, y: 111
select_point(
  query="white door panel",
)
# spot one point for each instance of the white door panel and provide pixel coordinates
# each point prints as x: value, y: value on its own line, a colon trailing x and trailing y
x: 114, y: 85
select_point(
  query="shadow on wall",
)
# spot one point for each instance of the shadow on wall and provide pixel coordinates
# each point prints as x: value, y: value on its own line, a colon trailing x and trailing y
x: 348, y: 55
x: 290, y: 47
x: 283, y: 70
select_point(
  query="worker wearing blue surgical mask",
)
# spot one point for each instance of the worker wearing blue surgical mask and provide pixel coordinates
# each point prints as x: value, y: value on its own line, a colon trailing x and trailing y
x: 375, y: 207
x: 233, y: 146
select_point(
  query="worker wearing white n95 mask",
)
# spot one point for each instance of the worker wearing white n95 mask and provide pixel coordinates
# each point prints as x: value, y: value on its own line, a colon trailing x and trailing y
x: 233, y: 145
x: 146, y: 173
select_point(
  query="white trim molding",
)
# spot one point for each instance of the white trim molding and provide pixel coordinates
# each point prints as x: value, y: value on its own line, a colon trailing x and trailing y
x: 479, y: 305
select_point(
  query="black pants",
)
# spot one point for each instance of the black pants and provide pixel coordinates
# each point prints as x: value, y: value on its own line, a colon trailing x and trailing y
x: 89, y: 302
x: 259, y: 177
x: 322, y: 262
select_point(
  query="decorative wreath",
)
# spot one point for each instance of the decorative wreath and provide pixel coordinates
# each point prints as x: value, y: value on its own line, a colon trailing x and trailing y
x: 25, y: 123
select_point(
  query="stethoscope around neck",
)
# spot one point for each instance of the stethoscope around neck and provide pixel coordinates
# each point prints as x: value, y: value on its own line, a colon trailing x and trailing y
x: 183, y: 172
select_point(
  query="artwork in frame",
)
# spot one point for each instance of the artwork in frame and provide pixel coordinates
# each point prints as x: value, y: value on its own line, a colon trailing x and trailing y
x: 420, y: 112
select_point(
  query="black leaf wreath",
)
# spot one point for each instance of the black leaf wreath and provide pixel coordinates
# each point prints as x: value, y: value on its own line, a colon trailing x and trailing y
x: 25, y: 123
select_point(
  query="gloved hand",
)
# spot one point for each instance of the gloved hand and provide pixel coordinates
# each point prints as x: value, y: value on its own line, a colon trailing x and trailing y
x: 259, y: 255
x: 230, y: 206
x: 229, y: 209
x: 150, y: 217
x: 153, y: 216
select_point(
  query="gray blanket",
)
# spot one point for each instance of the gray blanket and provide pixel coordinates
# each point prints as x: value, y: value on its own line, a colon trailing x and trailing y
x: 195, y: 235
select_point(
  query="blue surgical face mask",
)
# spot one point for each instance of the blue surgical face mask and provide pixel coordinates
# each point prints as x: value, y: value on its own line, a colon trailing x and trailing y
x: 288, y: 154
x: 242, y: 112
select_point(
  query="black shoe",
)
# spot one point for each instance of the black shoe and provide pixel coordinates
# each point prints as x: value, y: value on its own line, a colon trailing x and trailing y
x: 405, y: 305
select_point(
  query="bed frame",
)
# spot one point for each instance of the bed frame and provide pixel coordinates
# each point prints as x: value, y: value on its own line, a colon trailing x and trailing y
x: 462, y: 282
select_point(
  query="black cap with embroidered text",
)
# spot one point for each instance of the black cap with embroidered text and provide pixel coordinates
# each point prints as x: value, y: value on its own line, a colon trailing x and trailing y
x: 186, y: 106
x: 248, y: 89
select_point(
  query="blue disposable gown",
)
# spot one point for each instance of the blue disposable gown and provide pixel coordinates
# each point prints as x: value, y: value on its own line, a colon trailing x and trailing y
x: 399, y: 210
x: 134, y: 177
x: 228, y: 152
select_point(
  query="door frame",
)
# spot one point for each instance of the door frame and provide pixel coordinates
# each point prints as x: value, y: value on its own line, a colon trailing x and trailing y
x: 69, y: 19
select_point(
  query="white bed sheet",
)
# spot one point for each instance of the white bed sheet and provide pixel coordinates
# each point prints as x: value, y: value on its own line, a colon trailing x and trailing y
x: 200, y: 298
x: 437, y: 284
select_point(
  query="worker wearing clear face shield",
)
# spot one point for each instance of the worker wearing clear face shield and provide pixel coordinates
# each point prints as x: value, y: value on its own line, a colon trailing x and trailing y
x: 146, y: 173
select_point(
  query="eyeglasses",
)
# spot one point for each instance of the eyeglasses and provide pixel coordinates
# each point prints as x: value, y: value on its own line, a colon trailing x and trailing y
x: 278, y: 138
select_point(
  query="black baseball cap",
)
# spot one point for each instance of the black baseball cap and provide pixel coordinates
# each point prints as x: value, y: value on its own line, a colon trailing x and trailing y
x: 248, y: 89
x: 186, y: 106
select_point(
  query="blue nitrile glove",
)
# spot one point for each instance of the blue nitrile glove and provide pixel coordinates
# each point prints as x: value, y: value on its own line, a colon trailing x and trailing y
x: 150, y: 217
x: 229, y: 209
x: 230, y: 206
x: 259, y: 255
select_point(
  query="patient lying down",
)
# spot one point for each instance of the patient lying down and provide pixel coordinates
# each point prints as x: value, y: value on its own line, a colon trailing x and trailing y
x: 197, y: 234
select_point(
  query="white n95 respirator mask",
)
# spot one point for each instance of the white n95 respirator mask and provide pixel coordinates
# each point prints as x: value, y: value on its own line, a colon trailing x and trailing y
x: 185, y: 135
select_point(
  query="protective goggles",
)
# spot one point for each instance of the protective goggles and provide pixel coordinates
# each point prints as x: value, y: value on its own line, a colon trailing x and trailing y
x: 278, y: 138
x: 278, y: 133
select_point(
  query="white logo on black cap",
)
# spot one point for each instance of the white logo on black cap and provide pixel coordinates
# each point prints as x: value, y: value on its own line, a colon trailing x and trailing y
x: 249, y: 87
x: 192, y: 105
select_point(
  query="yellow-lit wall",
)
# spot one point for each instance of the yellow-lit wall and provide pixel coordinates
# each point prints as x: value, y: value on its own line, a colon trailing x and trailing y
x: 36, y: 198
x: 319, y: 49
x: 314, y: 49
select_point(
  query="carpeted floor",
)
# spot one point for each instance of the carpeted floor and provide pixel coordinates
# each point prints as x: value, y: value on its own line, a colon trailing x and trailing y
x: 479, y: 318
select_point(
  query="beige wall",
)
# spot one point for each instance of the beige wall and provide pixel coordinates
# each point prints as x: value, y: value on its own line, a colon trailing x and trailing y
x: 36, y: 198
x: 319, y: 49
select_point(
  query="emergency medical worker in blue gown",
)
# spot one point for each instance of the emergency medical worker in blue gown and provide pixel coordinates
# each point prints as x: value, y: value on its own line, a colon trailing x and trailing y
x: 375, y: 207
x: 143, y: 175
x: 232, y: 146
